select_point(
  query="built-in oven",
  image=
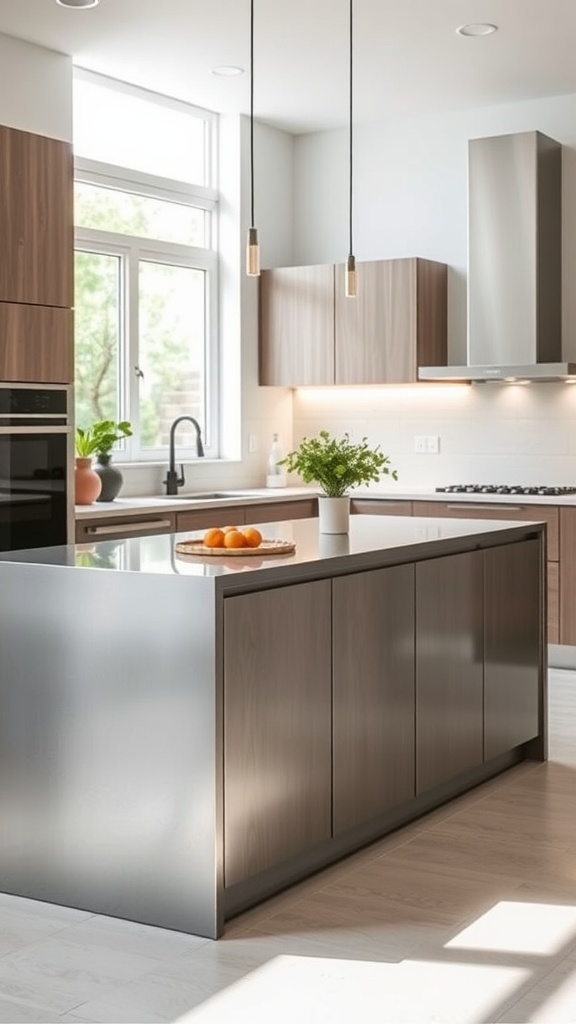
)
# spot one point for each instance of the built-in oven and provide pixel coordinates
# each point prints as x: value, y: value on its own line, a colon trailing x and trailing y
x: 36, y: 466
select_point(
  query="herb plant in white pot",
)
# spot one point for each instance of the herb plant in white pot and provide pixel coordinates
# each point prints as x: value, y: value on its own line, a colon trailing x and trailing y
x: 336, y: 466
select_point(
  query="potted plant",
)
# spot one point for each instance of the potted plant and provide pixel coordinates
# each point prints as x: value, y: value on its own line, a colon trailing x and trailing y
x: 336, y: 466
x: 98, y: 440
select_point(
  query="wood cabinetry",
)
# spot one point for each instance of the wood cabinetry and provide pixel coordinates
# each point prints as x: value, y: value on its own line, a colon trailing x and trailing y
x: 406, y: 682
x: 568, y: 576
x: 449, y: 668
x: 397, y: 322
x: 116, y: 527
x: 36, y: 343
x: 297, y: 326
x: 36, y: 219
x: 119, y: 527
x: 523, y: 513
x: 512, y: 623
x: 374, y: 507
x: 311, y: 334
x: 373, y: 687
x: 277, y: 726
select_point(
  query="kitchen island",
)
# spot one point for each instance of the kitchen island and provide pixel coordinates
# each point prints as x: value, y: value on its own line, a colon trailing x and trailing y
x: 182, y: 737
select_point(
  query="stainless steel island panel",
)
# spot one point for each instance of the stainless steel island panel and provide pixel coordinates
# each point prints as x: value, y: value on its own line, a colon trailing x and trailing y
x: 109, y: 750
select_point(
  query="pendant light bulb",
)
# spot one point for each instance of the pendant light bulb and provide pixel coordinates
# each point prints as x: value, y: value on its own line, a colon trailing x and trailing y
x: 252, y: 246
x: 350, y: 279
x: 252, y: 253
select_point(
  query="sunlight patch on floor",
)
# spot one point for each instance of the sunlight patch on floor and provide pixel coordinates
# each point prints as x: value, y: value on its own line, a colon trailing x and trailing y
x: 289, y: 989
x: 537, y: 928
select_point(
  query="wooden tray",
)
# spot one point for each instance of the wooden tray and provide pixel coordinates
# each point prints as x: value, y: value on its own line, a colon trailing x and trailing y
x: 267, y: 547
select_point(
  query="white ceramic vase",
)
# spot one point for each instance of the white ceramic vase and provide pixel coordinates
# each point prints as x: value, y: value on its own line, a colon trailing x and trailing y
x: 334, y: 514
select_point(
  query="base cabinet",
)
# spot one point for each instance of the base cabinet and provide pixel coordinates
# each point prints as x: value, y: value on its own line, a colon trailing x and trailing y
x: 277, y: 726
x: 557, y: 541
x: 373, y: 687
x: 449, y: 667
x: 349, y: 700
x: 513, y: 616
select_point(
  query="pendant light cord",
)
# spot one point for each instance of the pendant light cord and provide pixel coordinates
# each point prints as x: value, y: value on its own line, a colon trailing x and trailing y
x: 251, y: 113
x: 350, y: 138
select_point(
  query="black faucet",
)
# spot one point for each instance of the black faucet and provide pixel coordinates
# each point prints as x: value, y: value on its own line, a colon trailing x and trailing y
x: 173, y: 481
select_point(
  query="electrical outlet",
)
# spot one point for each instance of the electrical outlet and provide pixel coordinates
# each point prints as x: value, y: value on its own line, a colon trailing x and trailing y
x: 420, y: 443
x: 252, y: 444
x: 433, y: 444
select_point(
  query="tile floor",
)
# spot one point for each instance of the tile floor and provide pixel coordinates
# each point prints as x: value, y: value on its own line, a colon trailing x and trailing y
x: 467, y: 916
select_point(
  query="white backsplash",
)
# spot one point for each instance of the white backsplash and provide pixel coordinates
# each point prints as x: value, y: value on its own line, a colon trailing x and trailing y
x: 508, y: 433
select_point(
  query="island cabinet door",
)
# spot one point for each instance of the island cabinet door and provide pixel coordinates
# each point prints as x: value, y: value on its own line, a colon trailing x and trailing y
x: 449, y: 668
x: 373, y: 715
x: 513, y: 631
x: 277, y: 726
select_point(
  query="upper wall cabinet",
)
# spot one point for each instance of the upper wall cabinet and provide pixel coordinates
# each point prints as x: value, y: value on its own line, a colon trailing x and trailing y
x: 311, y: 334
x: 297, y: 326
x: 36, y: 219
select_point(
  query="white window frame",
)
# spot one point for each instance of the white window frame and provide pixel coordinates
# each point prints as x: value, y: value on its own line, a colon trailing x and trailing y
x: 131, y: 249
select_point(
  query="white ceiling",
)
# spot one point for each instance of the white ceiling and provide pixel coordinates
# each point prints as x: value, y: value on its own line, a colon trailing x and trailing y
x: 408, y: 57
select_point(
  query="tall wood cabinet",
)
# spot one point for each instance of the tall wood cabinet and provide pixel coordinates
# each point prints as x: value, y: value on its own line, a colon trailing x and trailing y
x: 311, y: 334
x: 36, y: 258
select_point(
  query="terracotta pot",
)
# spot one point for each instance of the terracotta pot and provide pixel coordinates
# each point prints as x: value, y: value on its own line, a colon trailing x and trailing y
x: 87, y: 483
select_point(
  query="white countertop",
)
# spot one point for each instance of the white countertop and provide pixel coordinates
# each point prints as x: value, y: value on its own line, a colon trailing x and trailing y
x: 184, y: 502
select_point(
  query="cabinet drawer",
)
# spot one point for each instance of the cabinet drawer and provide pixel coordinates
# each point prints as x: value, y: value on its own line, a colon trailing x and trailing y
x: 375, y: 507
x: 472, y: 510
x: 88, y: 530
x: 277, y: 511
x: 204, y: 518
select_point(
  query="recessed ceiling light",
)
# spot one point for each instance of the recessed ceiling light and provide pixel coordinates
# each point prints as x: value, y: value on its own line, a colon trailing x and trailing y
x: 478, y: 29
x: 228, y: 71
x: 78, y: 3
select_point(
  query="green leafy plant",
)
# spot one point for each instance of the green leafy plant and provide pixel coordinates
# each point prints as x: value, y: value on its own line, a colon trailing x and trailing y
x: 337, y: 465
x: 100, y: 437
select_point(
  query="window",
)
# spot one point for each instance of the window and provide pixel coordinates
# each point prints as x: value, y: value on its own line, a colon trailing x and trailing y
x: 145, y: 265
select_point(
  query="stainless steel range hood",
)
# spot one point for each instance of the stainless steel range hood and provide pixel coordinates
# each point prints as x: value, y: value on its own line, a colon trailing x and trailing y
x: 514, y: 263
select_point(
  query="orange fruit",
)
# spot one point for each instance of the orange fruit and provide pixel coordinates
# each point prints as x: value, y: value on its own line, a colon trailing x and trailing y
x: 234, y: 539
x: 214, y: 538
x: 253, y: 537
x: 226, y: 529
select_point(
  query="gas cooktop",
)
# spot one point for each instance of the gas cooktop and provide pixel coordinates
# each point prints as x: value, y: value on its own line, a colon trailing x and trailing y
x: 503, y: 489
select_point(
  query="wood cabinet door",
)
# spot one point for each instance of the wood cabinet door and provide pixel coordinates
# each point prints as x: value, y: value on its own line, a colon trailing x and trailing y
x: 277, y: 511
x: 513, y: 628
x: 297, y: 326
x: 36, y: 343
x: 449, y: 668
x: 568, y: 576
x: 375, y: 507
x: 36, y: 219
x: 397, y: 322
x: 204, y: 518
x: 548, y: 514
x: 277, y: 726
x: 116, y: 528
x: 373, y: 710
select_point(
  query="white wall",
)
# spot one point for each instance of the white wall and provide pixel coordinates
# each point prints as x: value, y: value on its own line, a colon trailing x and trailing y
x: 35, y: 89
x: 410, y: 200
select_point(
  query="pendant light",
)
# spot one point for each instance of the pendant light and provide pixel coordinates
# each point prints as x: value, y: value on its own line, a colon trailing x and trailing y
x: 350, y: 277
x: 252, y: 246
